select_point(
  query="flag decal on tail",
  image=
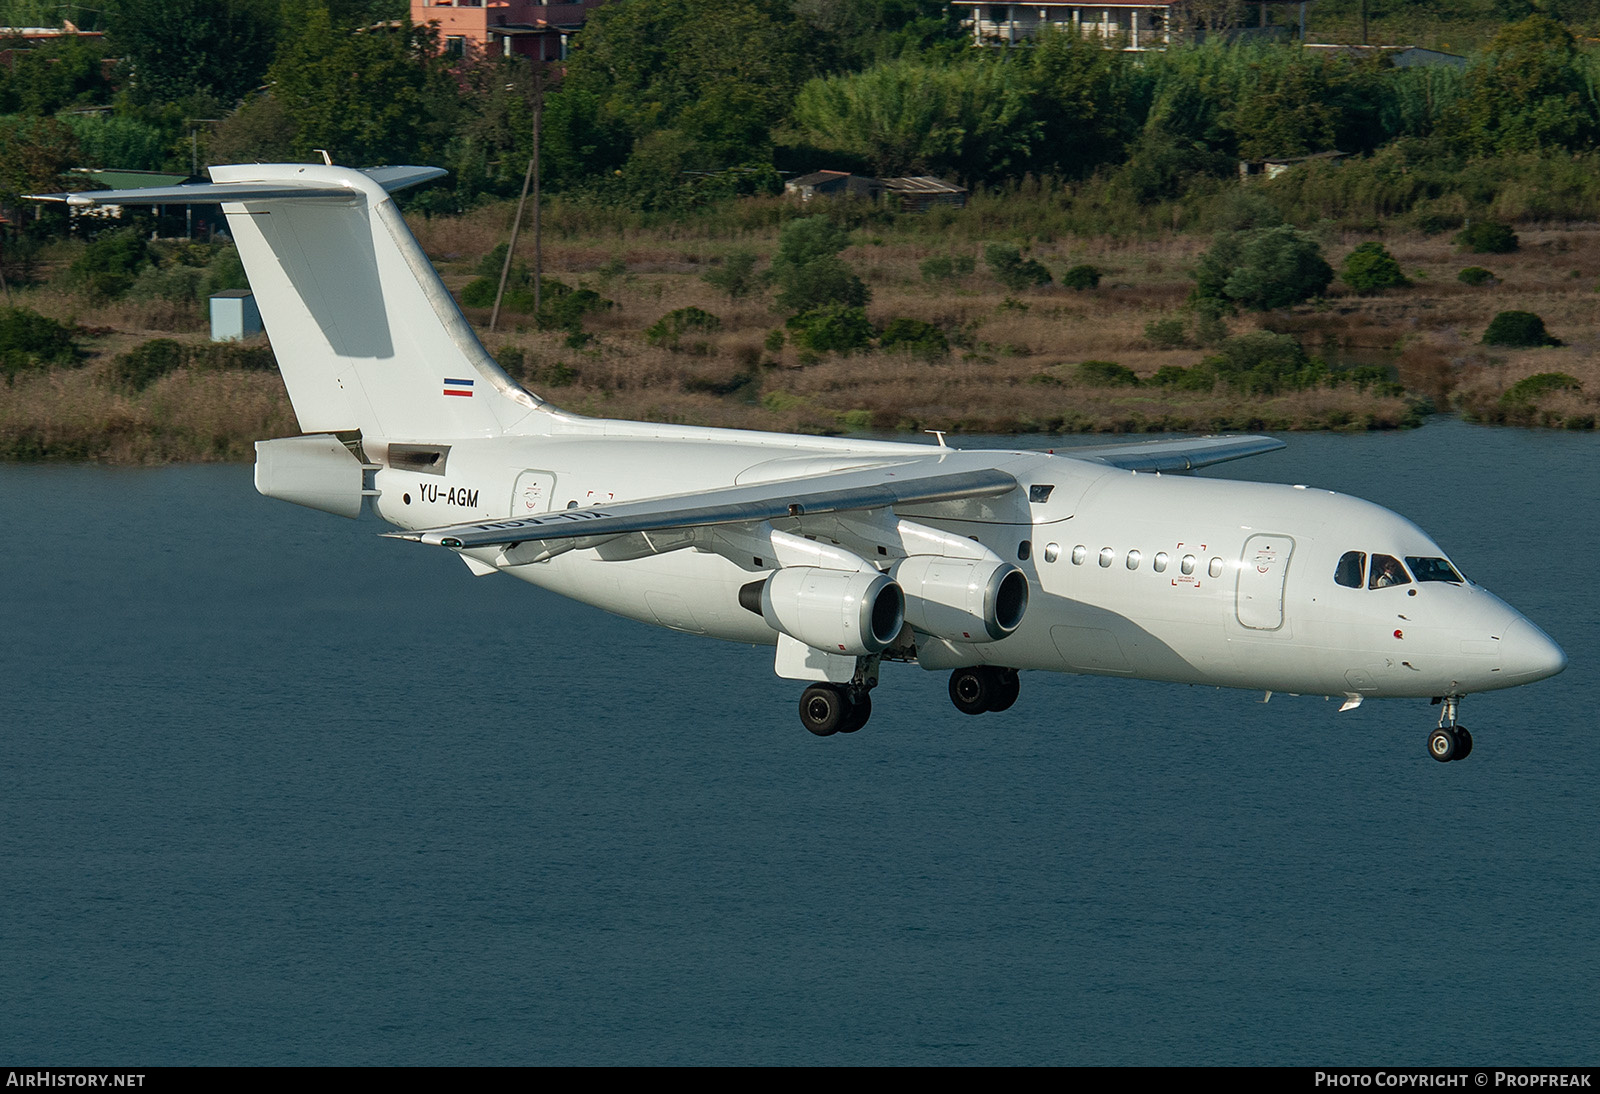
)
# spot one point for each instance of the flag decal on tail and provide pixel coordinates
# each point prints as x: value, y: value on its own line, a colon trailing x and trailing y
x: 458, y: 387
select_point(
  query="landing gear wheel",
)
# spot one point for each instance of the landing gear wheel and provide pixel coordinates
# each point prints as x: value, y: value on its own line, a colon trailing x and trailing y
x: 1442, y: 744
x: 856, y: 717
x: 973, y: 690
x: 1007, y: 691
x: 1463, y: 743
x: 823, y: 708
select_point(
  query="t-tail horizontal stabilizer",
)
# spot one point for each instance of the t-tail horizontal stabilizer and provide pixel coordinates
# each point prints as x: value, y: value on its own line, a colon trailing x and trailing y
x: 366, y: 335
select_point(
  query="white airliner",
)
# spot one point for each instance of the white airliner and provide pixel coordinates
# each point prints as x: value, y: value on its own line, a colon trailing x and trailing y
x: 844, y: 554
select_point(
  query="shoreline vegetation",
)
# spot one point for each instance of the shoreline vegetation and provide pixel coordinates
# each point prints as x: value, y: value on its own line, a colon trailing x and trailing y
x: 1241, y: 233
x: 681, y: 322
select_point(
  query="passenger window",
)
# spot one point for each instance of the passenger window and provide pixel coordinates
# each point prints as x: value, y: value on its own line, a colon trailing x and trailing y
x: 1387, y: 571
x: 1215, y: 569
x: 1079, y: 553
x: 1351, y: 569
x: 1133, y: 559
x: 1052, y: 551
x: 1024, y: 549
x: 1187, y: 565
x: 1433, y: 569
x: 1107, y: 555
x: 1160, y: 562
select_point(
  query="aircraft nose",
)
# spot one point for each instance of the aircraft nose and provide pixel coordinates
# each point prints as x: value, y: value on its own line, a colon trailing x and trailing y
x: 1528, y: 654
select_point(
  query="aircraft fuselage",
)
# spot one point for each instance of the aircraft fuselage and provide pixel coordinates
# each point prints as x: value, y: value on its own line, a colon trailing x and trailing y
x: 1162, y: 577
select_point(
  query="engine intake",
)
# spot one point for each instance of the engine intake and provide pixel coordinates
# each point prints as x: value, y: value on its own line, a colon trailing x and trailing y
x: 964, y: 601
x: 853, y: 612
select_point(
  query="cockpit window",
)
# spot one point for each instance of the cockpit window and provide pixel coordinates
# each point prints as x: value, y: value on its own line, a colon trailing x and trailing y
x: 1351, y: 569
x: 1433, y: 569
x: 1387, y: 571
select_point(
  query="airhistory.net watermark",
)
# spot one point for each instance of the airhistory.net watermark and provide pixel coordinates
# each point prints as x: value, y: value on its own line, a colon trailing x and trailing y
x: 53, y: 1078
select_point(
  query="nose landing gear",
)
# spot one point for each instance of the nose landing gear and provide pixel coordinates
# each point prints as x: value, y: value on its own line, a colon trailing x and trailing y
x: 1450, y: 741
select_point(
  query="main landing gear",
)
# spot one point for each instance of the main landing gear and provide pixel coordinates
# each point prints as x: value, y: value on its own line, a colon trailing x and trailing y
x: 1450, y: 741
x: 983, y: 689
x: 826, y: 709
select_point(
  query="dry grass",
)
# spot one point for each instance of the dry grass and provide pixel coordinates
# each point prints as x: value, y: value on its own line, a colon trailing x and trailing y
x: 1012, y: 366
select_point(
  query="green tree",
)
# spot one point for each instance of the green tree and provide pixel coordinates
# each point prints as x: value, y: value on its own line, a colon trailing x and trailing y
x: 972, y: 118
x: 1528, y: 94
x: 54, y: 76
x: 174, y: 49
x: 1081, y: 97
x: 1262, y: 269
x: 372, y: 96
x: 716, y: 74
x: 38, y: 152
x: 1371, y: 268
x: 808, y: 270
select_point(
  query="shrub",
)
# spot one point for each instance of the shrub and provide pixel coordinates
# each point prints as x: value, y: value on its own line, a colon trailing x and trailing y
x: 736, y: 277
x: 1371, y: 268
x: 1370, y: 378
x: 808, y: 270
x: 915, y: 337
x: 1081, y: 277
x: 109, y: 264
x: 1166, y: 333
x: 1261, y: 362
x: 29, y: 341
x: 832, y: 328
x: 1486, y: 237
x: 946, y: 267
x: 1199, y: 378
x: 1529, y: 389
x: 668, y: 331
x: 1518, y: 329
x: 1262, y: 269
x: 144, y: 365
x: 1012, y: 270
x: 1475, y: 276
x: 1107, y: 374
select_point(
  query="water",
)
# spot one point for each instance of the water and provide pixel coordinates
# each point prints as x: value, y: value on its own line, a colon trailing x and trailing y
x: 278, y: 791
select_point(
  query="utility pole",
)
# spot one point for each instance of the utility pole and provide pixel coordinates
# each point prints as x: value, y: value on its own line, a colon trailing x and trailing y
x: 531, y: 175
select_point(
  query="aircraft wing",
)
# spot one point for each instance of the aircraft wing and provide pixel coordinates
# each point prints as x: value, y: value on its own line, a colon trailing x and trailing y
x: 869, y: 488
x: 1184, y: 454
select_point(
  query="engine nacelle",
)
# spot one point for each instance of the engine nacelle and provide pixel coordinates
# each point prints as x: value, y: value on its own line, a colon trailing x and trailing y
x: 963, y: 600
x: 841, y: 611
x: 316, y: 471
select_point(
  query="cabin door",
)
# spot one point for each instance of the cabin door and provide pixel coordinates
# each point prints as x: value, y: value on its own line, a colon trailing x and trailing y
x: 1262, y: 571
x: 532, y: 493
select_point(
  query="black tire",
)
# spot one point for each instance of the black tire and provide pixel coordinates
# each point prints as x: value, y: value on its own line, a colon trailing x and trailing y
x: 1442, y: 745
x: 1009, y: 687
x: 822, y: 709
x: 856, y: 717
x: 1463, y: 743
x: 973, y: 689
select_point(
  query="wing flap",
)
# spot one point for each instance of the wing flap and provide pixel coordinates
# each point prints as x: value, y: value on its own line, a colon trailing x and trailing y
x: 872, y: 488
x: 1183, y: 454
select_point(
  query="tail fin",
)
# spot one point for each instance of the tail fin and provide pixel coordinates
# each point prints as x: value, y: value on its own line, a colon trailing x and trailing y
x: 366, y: 335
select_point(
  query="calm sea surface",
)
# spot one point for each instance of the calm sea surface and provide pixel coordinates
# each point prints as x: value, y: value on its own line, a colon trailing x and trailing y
x: 275, y: 790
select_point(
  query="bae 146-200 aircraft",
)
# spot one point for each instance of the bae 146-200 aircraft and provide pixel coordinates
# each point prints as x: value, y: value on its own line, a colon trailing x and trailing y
x: 844, y: 554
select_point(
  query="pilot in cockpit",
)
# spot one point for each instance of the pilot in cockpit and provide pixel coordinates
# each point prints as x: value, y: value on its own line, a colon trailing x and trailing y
x: 1386, y: 571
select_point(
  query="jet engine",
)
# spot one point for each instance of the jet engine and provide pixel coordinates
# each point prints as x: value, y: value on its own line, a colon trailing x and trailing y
x: 963, y: 600
x: 853, y: 612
